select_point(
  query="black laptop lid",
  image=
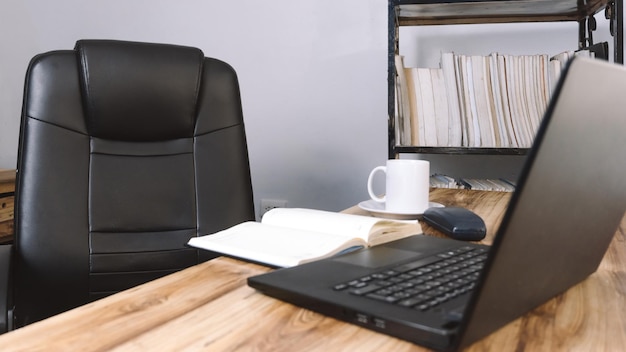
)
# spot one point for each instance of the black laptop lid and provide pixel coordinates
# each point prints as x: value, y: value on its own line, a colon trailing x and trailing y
x: 568, y: 204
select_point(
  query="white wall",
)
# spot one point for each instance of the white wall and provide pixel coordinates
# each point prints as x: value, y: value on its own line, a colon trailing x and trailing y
x: 312, y: 73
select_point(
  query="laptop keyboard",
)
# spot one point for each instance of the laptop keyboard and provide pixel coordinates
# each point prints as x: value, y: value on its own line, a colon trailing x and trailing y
x: 425, y: 283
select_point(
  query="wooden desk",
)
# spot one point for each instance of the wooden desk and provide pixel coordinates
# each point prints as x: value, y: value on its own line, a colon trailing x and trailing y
x: 7, y: 191
x: 209, y: 307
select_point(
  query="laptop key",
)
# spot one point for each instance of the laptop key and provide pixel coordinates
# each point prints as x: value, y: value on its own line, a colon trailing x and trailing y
x: 416, y: 264
x: 456, y: 314
x: 365, y: 289
x: 340, y: 287
x: 389, y: 299
x: 410, y: 302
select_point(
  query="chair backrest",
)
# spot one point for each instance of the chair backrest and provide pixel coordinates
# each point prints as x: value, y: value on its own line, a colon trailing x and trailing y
x: 126, y: 151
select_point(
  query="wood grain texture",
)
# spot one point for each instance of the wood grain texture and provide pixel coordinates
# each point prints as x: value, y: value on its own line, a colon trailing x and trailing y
x: 7, y: 181
x: 7, y: 201
x: 209, y: 307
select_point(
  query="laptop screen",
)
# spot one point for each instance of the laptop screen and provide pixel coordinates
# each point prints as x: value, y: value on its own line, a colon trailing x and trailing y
x: 568, y: 204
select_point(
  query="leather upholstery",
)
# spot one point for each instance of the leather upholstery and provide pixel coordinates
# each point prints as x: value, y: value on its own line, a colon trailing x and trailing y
x: 126, y: 151
x: 6, y: 256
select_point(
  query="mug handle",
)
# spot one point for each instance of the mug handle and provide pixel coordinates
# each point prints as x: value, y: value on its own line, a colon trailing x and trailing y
x: 369, y: 184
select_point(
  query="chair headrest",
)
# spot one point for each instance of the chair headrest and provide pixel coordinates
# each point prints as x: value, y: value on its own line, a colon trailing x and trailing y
x: 139, y: 91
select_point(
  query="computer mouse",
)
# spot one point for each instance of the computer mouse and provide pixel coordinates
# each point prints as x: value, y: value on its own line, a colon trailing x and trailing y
x: 457, y: 223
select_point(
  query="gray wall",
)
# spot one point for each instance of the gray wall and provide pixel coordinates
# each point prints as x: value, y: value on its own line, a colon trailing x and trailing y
x: 313, y: 74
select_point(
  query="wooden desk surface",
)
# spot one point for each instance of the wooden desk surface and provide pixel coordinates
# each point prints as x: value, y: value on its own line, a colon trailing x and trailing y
x: 209, y: 307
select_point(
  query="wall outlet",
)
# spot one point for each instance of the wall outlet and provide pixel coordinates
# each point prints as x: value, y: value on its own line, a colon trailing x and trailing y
x: 269, y: 204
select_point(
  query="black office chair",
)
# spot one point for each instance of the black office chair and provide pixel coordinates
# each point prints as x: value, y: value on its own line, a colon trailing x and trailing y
x: 126, y: 151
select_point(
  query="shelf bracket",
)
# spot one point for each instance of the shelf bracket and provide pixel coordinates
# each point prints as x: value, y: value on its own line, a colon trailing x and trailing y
x: 614, y: 13
x: 586, y: 26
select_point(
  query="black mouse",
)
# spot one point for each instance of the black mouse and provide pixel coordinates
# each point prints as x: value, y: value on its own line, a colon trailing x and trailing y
x: 457, y: 223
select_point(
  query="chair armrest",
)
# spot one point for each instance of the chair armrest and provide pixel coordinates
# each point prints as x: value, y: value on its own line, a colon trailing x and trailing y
x: 6, y: 254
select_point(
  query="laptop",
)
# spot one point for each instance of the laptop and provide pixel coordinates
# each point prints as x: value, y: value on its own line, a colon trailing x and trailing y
x: 559, y: 223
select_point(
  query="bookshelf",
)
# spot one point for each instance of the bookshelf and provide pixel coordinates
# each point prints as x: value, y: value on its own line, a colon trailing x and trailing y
x: 451, y: 12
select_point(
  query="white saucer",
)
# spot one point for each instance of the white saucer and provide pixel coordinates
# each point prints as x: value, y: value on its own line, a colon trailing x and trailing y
x: 378, y: 209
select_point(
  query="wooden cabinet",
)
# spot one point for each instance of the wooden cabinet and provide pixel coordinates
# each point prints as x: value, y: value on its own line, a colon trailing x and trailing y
x: 451, y: 12
x: 7, y: 192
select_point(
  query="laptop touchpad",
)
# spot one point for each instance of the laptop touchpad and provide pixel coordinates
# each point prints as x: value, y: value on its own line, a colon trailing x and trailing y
x: 377, y: 257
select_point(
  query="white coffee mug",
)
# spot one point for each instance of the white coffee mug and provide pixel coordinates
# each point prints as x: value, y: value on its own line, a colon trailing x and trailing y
x: 407, y: 184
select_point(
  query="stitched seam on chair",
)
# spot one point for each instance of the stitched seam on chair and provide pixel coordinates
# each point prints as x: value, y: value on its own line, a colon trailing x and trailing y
x: 84, y: 70
x: 172, y: 147
x: 140, y: 156
x: 196, y: 97
x: 145, y: 231
x: 196, y: 201
x: 239, y: 124
x: 136, y: 271
x: 56, y: 125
